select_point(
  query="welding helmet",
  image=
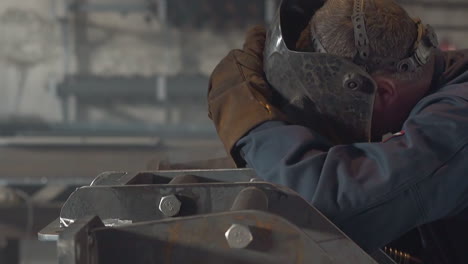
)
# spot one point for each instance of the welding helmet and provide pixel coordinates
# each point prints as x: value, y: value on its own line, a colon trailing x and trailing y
x: 317, y: 87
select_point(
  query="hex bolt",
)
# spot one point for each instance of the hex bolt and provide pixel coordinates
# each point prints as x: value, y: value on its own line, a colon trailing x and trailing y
x: 238, y: 236
x: 169, y: 205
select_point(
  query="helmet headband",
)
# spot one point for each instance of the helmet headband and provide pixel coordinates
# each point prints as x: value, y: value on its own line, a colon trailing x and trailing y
x: 421, y: 51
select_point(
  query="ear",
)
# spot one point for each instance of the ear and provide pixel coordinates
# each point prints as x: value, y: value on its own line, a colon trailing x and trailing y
x: 387, y: 92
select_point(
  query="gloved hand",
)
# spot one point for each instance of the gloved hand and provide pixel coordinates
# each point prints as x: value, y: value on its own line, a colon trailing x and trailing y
x: 239, y: 98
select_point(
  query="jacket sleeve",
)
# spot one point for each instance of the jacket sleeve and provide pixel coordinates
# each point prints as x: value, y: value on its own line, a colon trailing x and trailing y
x: 374, y: 192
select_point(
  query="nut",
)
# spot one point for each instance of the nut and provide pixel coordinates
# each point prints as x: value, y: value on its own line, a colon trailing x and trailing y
x: 238, y: 236
x: 170, y: 205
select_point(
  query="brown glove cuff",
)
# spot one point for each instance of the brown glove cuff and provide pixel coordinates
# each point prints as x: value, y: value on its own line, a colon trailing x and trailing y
x: 231, y: 128
x: 238, y: 102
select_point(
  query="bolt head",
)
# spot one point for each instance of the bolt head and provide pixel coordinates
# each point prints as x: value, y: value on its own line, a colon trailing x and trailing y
x: 238, y: 236
x: 170, y: 205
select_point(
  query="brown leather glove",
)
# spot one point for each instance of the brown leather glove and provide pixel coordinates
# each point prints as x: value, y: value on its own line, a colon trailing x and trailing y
x: 239, y: 98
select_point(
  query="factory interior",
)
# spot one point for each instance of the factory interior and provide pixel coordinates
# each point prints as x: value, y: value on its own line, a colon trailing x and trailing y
x: 102, y: 93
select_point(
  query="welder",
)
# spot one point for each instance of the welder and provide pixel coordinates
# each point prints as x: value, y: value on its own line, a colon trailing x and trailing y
x: 351, y: 104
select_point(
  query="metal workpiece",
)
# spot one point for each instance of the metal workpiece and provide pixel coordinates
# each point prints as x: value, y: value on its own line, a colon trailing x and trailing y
x: 112, y: 178
x: 272, y: 239
x: 109, y: 178
x: 217, y: 221
x: 51, y: 232
x: 208, y: 198
x: 250, y: 198
x: 238, y: 236
x: 181, y: 179
x: 170, y: 205
x: 76, y: 243
x: 201, y: 239
x: 141, y: 200
x: 256, y: 180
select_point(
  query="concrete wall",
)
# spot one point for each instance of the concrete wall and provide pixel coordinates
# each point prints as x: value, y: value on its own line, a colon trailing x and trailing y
x: 32, y: 55
x: 29, y: 58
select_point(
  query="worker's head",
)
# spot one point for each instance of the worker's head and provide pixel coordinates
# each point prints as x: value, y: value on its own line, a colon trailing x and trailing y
x: 391, y: 34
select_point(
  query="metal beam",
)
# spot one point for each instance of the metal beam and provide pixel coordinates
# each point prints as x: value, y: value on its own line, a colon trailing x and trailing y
x: 122, y: 8
x: 435, y: 4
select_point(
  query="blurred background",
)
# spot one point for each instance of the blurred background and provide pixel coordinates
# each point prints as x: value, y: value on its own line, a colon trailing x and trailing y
x: 88, y: 86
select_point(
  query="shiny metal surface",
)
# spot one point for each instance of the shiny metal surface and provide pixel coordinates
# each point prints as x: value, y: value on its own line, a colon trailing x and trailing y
x: 238, y: 236
x: 170, y: 205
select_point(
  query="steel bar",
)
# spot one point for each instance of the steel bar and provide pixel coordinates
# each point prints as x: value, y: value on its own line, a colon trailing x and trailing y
x: 165, y: 177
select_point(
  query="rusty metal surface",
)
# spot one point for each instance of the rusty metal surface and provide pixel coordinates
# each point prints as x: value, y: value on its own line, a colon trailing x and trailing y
x: 201, y: 238
x: 197, y: 239
x: 209, y: 217
x: 138, y: 203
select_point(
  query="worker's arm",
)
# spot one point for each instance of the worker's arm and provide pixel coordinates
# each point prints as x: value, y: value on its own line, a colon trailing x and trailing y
x: 375, y: 192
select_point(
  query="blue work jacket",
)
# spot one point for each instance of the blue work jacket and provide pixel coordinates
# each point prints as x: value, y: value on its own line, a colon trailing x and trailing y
x: 375, y: 192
